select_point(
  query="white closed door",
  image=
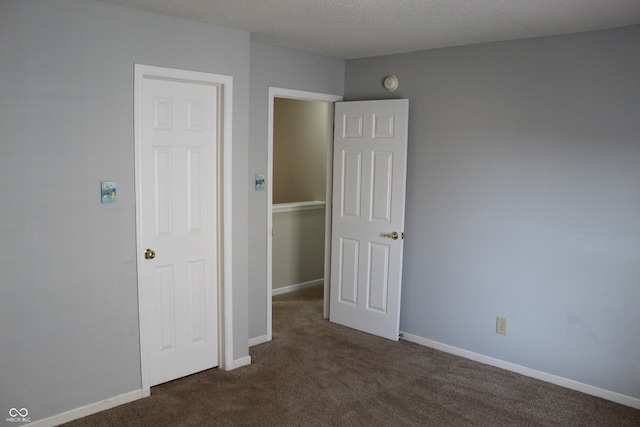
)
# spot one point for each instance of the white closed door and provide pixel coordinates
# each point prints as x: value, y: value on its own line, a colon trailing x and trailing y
x: 179, y: 131
x: 370, y: 158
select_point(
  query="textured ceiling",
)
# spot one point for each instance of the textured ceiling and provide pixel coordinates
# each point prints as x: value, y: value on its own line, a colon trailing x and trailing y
x: 349, y: 29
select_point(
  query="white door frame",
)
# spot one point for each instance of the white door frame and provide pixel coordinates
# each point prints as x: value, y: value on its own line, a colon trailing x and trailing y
x: 225, y: 326
x: 277, y: 92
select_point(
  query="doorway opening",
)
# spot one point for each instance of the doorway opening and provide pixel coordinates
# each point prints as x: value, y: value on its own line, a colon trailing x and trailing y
x: 308, y: 215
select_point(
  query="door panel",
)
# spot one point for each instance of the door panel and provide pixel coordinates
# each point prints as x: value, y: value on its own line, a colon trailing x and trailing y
x: 381, y: 186
x: 378, y: 277
x: 349, y: 253
x: 370, y: 157
x: 351, y: 185
x: 179, y: 222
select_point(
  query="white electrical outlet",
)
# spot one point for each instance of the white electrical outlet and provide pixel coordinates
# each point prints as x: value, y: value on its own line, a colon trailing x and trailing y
x: 501, y: 325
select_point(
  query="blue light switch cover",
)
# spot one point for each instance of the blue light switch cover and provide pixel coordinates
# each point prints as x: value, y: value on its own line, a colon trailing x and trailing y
x: 259, y: 182
x: 108, y: 192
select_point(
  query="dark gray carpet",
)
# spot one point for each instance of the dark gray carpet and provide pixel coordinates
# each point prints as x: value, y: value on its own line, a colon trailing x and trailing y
x: 315, y: 373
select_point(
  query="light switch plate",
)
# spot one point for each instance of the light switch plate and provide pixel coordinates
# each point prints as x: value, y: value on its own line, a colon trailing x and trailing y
x: 259, y: 182
x: 108, y: 191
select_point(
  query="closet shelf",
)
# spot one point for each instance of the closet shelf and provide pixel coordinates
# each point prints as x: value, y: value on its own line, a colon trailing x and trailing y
x: 298, y: 206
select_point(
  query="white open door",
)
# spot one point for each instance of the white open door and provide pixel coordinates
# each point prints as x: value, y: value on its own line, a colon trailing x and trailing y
x: 369, y: 175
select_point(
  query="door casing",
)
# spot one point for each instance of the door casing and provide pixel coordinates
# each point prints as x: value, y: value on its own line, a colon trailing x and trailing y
x: 224, y: 202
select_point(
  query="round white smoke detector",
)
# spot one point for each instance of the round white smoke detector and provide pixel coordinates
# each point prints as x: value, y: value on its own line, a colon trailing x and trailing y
x: 391, y: 83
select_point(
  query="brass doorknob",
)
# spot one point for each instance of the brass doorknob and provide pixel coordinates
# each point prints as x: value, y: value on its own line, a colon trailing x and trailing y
x: 393, y: 235
x: 149, y: 254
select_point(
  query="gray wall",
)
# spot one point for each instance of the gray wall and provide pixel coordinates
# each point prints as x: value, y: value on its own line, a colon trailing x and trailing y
x: 283, y: 68
x: 68, y: 293
x: 298, y: 247
x: 523, y: 200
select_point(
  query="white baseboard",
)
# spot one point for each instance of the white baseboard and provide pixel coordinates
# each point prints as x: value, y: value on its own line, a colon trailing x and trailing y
x: 87, y: 410
x: 238, y: 363
x: 112, y: 402
x: 296, y: 287
x: 523, y: 370
x: 258, y: 340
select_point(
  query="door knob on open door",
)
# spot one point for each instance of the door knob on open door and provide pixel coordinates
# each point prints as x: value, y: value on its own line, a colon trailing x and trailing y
x: 393, y: 235
x: 149, y: 254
